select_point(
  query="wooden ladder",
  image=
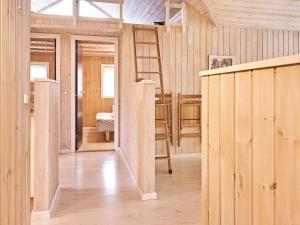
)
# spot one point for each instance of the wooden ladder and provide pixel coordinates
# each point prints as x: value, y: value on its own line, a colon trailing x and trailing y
x: 161, y: 100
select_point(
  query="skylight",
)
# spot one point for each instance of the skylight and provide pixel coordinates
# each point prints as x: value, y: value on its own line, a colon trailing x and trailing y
x: 98, y: 9
x: 60, y: 7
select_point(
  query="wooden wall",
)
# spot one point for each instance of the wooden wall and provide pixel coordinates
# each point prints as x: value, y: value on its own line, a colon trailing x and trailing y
x: 92, y: 101
x: 45, y: 57
x: 65, y: 90
x: 14, y: 112
x: 46, y: 143
x: 185, y: 54
x: 251, y: 145
x: 137, y: 136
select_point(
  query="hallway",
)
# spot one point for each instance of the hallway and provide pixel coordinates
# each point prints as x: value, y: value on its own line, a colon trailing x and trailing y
x: 96, y: 189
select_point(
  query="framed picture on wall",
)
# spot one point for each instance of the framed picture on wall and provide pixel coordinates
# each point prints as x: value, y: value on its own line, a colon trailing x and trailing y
x: 216, y: 61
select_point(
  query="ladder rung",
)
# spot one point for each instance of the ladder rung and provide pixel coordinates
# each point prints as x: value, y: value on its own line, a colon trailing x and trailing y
x: 149, y: 72
x: 158, y: 88
x: 190, y: 135
x: 145, y: 28
x: 162, y: 157
x: 147, y: 57
x: 160, y: 123
x: 160, y: 137
x: 145, y: 43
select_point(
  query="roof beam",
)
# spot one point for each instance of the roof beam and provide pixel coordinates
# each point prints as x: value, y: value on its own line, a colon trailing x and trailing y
x: 210, y: 12
x: 108, y: 1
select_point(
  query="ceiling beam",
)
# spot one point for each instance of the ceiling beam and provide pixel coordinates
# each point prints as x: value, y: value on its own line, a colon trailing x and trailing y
x: 210, y: 13
x: 107, y: 1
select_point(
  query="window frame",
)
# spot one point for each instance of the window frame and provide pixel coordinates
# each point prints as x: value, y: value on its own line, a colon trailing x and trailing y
x: 39, y: 63
x: 47, y: 7
x: 103, y: 66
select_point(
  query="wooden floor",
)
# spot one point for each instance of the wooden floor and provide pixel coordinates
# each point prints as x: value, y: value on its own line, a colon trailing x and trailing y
x: 97, y: 190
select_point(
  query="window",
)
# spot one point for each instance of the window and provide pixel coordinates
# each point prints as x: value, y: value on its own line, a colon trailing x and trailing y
x: 39, y: 70
x: 102, y: 10
x: 53, y: 7
x: 107, y: 81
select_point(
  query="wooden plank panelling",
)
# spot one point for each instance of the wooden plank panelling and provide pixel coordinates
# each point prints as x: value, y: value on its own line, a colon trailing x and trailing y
x: 287, y: 169
x: 92, y: 102
x: 227, y: 140
x: 263, y: 146
x: 46, y: 143
x: 14, y: 112
x: 214, y: 150
x: 243, y: 149
x: 48, y: 58
x: 251, y: 175
x: 205, y: 154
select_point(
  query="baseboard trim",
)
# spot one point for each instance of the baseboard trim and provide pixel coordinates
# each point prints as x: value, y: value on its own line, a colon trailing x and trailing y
x: 41, y: 215
x: 66, y: 151
x: 186, y: 155
x: 149, y: 196
x: 144, y: 196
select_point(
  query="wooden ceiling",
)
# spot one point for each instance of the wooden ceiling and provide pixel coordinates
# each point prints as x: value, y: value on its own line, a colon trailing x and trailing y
x: 145, y: 11
x: 42, y: 45
x: 279, y: 14
x: 88, y: 48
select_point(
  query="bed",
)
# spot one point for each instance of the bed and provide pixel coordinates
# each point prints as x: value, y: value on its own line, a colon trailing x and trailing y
x: 105, y: 123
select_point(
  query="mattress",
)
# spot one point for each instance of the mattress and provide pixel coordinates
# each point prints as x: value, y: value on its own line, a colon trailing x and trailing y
x: 105, y: 122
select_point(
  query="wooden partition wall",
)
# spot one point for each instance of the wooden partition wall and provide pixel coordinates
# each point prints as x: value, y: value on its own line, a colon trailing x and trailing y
x: 251, y: 144
x: 46, y: 147
x: 138, y: 136
x: 14, y: 112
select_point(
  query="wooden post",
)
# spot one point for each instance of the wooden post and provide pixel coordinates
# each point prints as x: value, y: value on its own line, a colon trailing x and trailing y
x: 14, y: 112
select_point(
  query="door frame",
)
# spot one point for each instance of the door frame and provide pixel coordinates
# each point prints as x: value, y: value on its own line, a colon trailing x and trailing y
x: 57, y: 50
x: 115, y: 41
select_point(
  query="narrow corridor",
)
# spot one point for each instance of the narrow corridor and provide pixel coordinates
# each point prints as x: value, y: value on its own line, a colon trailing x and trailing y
x: 96, y: 189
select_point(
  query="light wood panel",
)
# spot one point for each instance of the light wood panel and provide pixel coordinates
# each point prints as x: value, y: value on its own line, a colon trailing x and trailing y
x: 14, y: 112
x: 59, y: 24
x: 280, y: 14
x: 92, y: 101
x: 65, y: 89
x: 252, y: 149
x: 214, y: 169
x: 243, y: 148
x: 205, y: 153
x: 287, y: 155
x: 263, y: 116
x: 45, y: 57
x: 46, y: 143
x: 227, y: 153
x: 138, y: 135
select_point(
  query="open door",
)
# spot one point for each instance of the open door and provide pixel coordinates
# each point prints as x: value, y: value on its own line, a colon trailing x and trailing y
x: 78, y: 98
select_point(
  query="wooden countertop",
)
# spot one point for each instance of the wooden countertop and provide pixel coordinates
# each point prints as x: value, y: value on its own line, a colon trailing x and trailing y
x: 282, y: 61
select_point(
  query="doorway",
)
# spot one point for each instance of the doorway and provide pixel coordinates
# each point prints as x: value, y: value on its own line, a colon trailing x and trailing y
x: 96, y: 104
x: 44, y: 65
